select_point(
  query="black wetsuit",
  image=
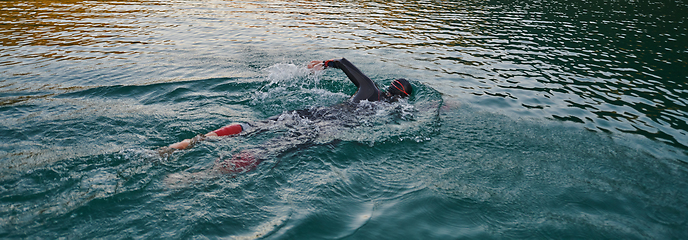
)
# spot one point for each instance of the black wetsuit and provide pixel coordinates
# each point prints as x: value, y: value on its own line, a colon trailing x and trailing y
x: 324, y: 121
x: 366, y: 88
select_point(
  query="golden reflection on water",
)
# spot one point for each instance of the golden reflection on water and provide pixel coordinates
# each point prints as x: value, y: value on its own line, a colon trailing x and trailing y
x: 109, y: 23
x: 50, y: 24
x: 83, y: 30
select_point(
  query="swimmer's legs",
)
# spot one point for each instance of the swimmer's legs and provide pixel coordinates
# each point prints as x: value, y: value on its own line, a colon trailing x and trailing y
x: 228, y: 130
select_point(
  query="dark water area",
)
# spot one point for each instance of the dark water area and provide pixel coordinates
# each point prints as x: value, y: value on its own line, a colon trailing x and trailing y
x: 529, y: 120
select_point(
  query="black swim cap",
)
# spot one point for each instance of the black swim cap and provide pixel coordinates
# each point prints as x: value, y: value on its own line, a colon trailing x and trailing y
x: 400, y: 87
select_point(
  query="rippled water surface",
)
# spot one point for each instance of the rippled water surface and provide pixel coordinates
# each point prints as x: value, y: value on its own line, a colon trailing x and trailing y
x: 530, y: 119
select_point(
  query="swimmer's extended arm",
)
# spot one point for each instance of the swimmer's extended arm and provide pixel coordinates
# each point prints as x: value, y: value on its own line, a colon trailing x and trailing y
x: 356, y: 76
x: 232, y: 129
x: 366, y: 88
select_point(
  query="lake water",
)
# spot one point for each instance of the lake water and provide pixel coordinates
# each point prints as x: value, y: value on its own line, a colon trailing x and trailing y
x: 530, y: 119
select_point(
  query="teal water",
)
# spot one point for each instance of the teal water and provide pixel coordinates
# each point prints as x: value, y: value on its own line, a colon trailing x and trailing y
x: 531, y: 120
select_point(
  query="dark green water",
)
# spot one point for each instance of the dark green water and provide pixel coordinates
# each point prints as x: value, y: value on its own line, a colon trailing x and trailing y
x: 530, y: 120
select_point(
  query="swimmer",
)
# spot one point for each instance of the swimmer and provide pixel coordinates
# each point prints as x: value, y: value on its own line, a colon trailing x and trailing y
x: 398, y: 88
x: 366, y: 88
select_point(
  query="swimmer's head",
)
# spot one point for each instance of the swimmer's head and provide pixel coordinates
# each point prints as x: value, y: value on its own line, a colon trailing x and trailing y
x: 400, y: 87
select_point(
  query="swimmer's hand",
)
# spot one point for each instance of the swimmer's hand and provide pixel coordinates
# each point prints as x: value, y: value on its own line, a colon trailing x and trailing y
x: 316, y: 65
